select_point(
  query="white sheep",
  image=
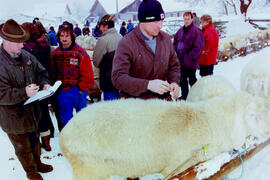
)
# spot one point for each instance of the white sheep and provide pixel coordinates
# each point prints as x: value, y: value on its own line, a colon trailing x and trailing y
x: 133, y: 138
x: 210, y: 86
x: 224, y: 44
x: 87, y: 42
x: 239, y: 41
x: 255, y: 76
x: 252, y: 36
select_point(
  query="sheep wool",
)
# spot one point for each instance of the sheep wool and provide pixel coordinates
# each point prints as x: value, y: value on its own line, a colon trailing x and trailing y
x: 133, y: 138
x: 210, y: 86
x: 255, y: 76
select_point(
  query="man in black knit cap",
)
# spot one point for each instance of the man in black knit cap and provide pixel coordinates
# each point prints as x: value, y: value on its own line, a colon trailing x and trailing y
x: 145, y: 64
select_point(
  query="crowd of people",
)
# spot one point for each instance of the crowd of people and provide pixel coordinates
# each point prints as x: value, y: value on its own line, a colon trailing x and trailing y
x: 137, y: 62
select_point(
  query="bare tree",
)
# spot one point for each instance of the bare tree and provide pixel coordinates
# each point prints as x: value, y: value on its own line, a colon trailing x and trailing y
x: 244, y: 7
x: 225, y: 7
x: 227, y: 3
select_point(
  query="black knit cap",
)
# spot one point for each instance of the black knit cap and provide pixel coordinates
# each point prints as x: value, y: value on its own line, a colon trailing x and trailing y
x: 150, y: 10
x: 66, y: 24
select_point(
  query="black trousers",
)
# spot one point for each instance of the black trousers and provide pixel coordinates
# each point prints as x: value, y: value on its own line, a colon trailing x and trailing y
x: 55, y: 106
x: 27, y: 149
x: 206, y: 70
x: 45, y: 122
x: 188, y: 77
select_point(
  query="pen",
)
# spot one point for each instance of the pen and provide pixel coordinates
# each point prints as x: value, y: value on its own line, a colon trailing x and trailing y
x: 31, y: 83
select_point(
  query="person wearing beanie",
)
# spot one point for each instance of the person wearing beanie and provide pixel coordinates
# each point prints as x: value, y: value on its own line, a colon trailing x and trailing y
x: 103, y: 56
x: 188, y: 43
x: 21, y: 76
x: 145, y: 64
x: 71, y: 64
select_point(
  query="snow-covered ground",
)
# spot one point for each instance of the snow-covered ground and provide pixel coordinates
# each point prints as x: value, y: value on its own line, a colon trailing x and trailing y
x: 256, y: 168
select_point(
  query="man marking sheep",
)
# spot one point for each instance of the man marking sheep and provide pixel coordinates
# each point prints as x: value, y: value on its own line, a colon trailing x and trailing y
x: 145, y: 64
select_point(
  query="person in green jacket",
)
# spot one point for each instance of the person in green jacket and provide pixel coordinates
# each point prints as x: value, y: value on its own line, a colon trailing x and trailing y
x: 103, y: 56
x: 21, y: 76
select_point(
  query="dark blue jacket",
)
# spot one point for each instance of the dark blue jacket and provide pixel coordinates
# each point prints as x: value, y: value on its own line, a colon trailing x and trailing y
x: 123, y: 31
x: 77, y: 31
x: 188, y: 44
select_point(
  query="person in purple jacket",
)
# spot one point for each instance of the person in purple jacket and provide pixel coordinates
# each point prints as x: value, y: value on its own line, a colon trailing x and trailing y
x: 188, y: 44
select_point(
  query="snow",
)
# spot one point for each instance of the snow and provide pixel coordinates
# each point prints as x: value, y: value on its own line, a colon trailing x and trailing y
x: 213, y: 165
x: 255, y: 168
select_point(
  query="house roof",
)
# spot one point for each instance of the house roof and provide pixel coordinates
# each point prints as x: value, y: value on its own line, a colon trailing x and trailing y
x: 48, y: 10
x: 110, y: 6
x: 97, y: 9
x: 123, y: 5
x: 132, y: 7
x: 172, y: 5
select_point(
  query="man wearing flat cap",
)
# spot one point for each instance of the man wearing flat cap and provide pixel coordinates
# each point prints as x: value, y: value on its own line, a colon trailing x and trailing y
x: 21, y: 76
x: 145, y: 64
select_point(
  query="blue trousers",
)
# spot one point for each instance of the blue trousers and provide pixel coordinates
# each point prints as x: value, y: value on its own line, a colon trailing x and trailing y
x: 68, y: 100
x: 107, y: 96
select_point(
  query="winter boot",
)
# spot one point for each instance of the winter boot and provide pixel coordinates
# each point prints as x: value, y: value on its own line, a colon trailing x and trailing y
x: 34, y: 176
x: 44, y: 168
x: 46, y: 143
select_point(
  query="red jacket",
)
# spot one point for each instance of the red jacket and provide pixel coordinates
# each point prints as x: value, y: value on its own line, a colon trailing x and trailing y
x: 73, y: 67
x: 209, y: 53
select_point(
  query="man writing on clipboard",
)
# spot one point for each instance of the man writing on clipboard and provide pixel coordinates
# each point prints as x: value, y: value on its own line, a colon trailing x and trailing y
x: 20, y: 75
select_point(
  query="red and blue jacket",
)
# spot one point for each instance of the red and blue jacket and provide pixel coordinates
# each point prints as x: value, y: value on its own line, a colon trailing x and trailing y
x: 73, y: 67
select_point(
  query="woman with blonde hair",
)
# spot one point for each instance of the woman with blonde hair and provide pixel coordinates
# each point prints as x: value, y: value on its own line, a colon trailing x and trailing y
x: 208, y: 56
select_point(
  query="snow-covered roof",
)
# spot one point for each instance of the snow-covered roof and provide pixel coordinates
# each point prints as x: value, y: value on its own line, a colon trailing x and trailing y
x: 172, y: 5
x: 110, y: 6
x: 47, y: 10
x: 132, y: 7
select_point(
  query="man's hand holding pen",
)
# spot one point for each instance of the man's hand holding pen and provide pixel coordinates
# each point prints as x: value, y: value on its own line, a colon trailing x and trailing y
x: 31, y: 90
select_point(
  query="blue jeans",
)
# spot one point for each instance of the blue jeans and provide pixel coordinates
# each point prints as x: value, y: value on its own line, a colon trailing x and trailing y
x: 107, y: 96
x: 68, y: 100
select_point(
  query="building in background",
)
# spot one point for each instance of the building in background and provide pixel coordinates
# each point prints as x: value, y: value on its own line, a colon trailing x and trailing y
x: 130, y: 12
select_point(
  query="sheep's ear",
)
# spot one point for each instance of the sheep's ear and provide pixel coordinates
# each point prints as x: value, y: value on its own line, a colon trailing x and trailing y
x: 264, y: 86
x: 251, y: 114
x: 247, y: 84
x: 251, y: 107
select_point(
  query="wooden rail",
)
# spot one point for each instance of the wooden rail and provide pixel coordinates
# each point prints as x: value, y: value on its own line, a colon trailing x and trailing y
x: 190, y: 173
x: 258, y: 20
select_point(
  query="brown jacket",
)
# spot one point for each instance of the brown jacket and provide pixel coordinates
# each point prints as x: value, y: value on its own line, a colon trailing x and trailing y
x: 14, y: 77
x: 134, y: 64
